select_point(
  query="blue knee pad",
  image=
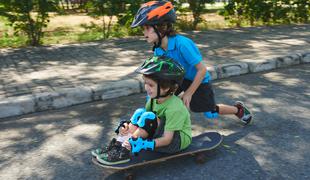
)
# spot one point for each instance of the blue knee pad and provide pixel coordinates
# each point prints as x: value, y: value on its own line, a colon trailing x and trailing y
x: 137, y: 144
x: 146, y: 116
x: 211, y: 114
x: 136, y: 115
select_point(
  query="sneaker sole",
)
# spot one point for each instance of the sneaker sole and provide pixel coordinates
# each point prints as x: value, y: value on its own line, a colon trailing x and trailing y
x: 112, y: 163
x: 247, y: 123
x: 95, y: 155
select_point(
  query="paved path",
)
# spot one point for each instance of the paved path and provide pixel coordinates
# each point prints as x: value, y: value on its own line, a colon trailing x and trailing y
x: 56, y: 144
x: 43, y: 78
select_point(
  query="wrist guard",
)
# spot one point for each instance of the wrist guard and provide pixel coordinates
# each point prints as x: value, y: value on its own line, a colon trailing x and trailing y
x: 137, y: 144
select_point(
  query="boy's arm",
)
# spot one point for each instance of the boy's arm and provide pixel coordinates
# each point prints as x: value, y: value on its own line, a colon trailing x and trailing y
x: 165, y: 140
x: 201, y: 72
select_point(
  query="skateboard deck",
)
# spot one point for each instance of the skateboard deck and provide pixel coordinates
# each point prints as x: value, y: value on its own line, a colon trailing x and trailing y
x: 203, y: 142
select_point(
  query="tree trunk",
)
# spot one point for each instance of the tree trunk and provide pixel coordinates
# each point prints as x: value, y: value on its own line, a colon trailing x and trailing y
x: 103, y: 27
x: 196, y: 20
x: 109, y: 26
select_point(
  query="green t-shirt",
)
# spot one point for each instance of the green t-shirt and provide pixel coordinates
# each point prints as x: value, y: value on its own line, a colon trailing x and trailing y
x: 177, y: 117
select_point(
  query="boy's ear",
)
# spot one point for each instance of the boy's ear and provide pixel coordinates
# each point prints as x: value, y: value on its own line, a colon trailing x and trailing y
x: 165, y: 90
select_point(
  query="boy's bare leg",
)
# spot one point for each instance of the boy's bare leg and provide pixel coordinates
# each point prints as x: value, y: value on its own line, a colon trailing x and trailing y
x: 136, y: 132
x: 226, y: 109
x: 140, y: 133
x: 126, y: 132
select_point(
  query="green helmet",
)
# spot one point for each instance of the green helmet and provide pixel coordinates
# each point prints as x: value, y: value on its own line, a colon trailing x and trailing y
x: 162, y: 67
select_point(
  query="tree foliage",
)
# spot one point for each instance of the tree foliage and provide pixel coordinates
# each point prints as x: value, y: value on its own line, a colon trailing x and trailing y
x: 267, y: 11
x: 196, y: 7
x: 124, y: 10
x: 28, y: 16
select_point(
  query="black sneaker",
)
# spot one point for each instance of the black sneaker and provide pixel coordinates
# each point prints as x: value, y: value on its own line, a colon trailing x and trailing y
x: 113, y: 144
x: 244, y: 114
x: 114, y: 156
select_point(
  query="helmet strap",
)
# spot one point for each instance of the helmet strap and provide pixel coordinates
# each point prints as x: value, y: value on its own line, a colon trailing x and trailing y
x: 158, y: 44
x: 158, y: 92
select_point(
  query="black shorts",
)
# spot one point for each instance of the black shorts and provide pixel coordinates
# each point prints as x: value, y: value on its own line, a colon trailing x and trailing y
x: 203, y: 99
x: 174, y: 146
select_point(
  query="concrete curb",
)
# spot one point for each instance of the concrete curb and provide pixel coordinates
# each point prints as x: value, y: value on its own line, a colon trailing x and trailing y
x: 20, y: 105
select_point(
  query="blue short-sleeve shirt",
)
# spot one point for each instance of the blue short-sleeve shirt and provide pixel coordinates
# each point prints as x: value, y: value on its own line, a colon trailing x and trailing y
x: 183, y: 50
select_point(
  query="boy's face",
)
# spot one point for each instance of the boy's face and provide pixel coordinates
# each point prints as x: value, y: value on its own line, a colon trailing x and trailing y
x: 149, y: 34
x: 150, y: 87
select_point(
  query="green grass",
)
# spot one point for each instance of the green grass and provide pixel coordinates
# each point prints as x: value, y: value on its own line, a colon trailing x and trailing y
x: 12, y: 41
x: 60, y: 35
x: 3, y: 25
x: 7, y: 37
x: 63, y: 37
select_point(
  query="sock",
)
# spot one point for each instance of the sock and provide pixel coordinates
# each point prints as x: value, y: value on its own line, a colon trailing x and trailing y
x: 239, y: 111
x: 123, y: 138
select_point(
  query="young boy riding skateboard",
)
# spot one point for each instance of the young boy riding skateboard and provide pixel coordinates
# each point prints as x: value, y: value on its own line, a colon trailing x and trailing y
x: 164, y: 124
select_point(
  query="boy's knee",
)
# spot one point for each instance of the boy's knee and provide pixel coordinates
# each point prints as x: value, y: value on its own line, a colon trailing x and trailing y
x: 132, y: 128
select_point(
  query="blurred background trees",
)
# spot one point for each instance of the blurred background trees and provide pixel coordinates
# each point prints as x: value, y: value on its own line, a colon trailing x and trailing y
x: 267, y: 12
x: 112, y: 18
x: 29, y: 17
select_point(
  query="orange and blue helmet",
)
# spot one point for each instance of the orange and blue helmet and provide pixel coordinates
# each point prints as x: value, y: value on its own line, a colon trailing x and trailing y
x: 153, y: 13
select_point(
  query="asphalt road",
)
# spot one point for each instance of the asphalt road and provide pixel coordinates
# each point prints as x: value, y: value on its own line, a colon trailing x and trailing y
x: 56, y: 144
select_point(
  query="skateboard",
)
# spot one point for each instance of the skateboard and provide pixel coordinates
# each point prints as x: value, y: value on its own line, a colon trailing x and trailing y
x: 201, y: 143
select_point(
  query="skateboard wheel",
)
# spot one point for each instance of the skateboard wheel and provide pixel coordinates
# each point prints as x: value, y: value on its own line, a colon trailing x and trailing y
x: 130, y: 176
x: 200, y: 158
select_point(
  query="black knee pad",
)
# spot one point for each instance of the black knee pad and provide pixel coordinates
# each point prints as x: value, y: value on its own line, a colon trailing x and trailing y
x: 150, y: 127
x: 148, y: 122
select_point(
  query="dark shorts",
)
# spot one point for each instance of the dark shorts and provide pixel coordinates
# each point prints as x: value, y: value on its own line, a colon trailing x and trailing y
x: 203, y: 99
x: 174, y: 146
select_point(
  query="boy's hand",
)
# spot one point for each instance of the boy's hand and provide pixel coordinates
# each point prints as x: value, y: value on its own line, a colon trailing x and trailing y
x: 187, y: 100
x: 181, y: 95
x: 127, y: 145
x: 121, y: 125
x: 124, y: 130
